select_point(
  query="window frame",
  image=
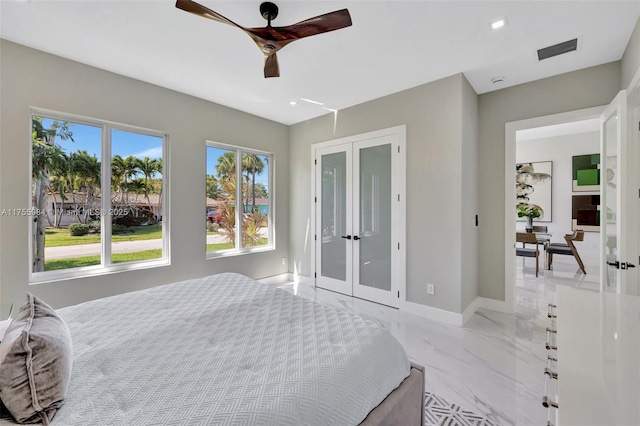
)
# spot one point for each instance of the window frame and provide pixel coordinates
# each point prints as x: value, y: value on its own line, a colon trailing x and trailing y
x: 106, y: 266
x: 238, y: 249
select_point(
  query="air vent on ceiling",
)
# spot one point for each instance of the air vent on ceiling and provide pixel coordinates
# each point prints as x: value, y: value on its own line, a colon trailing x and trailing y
x: 557, y: 49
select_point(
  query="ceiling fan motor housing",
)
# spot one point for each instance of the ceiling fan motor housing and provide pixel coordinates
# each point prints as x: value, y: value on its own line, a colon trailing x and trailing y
x: 269, y: 11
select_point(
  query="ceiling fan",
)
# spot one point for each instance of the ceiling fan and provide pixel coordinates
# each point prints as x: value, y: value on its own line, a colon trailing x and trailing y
x: 271, y: 39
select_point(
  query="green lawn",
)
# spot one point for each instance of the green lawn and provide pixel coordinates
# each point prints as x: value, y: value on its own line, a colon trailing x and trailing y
x: 219, y: 246
x: 57, y: 237
x: 52, y: 265
x: 227, y: 246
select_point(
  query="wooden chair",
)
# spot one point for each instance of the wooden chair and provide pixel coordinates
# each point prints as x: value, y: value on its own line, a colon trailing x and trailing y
x: 528, y: 238
x: 538, y: 228
x: 568, y: 249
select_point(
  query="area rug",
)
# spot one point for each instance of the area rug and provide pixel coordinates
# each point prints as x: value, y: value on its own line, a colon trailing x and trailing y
x: 437, y: 411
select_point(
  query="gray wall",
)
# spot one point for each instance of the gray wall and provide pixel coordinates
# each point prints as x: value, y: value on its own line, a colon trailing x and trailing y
x: 469, y: 194
x: 33, y: 78
x: 433, y: 114
x: 631, y: 58
x: 585, y: 88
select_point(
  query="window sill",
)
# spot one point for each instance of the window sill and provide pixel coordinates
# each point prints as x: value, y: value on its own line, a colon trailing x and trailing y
x: 233, y: 252
x: 93, y: 271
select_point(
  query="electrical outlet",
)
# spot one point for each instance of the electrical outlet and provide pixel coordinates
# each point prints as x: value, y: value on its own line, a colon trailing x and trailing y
x: 283, y: 261
x: 431, y: 289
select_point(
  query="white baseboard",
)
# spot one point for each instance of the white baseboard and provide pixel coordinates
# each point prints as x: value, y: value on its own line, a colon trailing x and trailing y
x: 485, y: 303
x: 471, y: 309
x: 495, y: 305
x: 275, y: 279
x: 432, y: 313
x: 302, y: 279
x: 429, y: 312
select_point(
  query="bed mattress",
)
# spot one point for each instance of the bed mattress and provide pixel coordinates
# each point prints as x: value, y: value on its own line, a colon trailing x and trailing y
x: 224, y: 350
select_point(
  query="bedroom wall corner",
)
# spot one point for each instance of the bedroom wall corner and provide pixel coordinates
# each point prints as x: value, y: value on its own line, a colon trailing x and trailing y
x: 630, y: 63
x: 32, y: 78
x: 469, y: 193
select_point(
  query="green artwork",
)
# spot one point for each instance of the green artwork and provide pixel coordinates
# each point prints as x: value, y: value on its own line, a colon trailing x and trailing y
x: 586, y: 173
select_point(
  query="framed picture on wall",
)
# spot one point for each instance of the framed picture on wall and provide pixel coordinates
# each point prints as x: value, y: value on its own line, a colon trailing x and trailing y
x: 585, y: 213
x: 585, y: 172
x: 533, y: 188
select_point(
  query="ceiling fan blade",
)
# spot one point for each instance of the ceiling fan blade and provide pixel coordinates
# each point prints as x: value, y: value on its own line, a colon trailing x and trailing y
x: 197, y: 9
x: 320, y: 24
x: 271, y: 68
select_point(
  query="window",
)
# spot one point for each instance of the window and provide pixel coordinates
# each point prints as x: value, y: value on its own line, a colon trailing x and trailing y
x: 228, y: 203
x: 92, y: 215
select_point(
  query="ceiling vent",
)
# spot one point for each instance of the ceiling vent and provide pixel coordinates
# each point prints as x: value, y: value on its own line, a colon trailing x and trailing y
x: 558, y: 49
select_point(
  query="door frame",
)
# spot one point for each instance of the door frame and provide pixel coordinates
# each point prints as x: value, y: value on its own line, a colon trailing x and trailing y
x: 617, y: 106
x: 510, y: 189
x: 401, y: 177
x: 633, y: 154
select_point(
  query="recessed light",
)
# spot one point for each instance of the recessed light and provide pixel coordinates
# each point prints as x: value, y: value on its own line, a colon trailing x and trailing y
x: 498, y: 23
x: 293, y: 103
x: 498, y: 79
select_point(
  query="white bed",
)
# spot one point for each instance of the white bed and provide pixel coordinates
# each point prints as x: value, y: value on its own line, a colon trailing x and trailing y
x: 224, y: 350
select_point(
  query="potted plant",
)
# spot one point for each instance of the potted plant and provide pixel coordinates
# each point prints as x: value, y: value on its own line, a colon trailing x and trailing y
x: 530, y: 212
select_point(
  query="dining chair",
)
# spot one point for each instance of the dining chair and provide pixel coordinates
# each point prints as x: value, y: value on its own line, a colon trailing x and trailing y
x: 528, y: 238
x: 538, y: 228
x: 568, y: 249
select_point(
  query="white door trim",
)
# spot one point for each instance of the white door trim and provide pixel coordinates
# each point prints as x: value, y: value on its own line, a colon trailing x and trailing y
x: 510, y: 189
x: 401, y: 132
x: 618, y: 109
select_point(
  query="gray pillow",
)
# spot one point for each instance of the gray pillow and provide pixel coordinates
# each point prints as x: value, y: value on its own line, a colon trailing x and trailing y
x: 35, y: 363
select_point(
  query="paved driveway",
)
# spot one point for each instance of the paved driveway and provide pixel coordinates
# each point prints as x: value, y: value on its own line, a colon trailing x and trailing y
x: 66, y: 252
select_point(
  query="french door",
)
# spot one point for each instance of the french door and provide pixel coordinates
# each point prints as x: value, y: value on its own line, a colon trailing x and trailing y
x: 357, y: 218
x: 619, y: 193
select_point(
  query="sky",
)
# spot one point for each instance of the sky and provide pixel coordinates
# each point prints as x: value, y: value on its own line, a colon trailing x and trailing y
x: 88, y: 138
x: 122, y: 143
x: 212, y: 159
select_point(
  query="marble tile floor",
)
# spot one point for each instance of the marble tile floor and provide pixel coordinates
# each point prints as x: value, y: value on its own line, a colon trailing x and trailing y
x: 494, y: 365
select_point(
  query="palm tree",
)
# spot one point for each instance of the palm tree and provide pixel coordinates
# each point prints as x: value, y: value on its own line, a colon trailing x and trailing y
x: 122, y: 170
x: 160, y: 172
x: 88, y: 171
x: 226, y: 166
x: 148, y: 167
x: 61, y: 181
x: 44, y: 152
x: 254, y: 165
x: 213, y: 188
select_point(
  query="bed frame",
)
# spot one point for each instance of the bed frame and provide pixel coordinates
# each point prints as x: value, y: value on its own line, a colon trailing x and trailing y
x: 404, y: 406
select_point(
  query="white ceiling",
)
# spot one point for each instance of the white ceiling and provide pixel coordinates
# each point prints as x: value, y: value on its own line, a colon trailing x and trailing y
x: 570, y: 128
x: 392, y: 45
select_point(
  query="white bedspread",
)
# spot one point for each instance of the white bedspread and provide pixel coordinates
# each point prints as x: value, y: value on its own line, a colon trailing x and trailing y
x: 224, y: 350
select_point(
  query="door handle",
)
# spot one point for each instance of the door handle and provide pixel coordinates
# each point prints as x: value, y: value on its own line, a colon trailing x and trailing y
x: 348, y: 237
x: 621, y: 265
x: 355, y: 237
